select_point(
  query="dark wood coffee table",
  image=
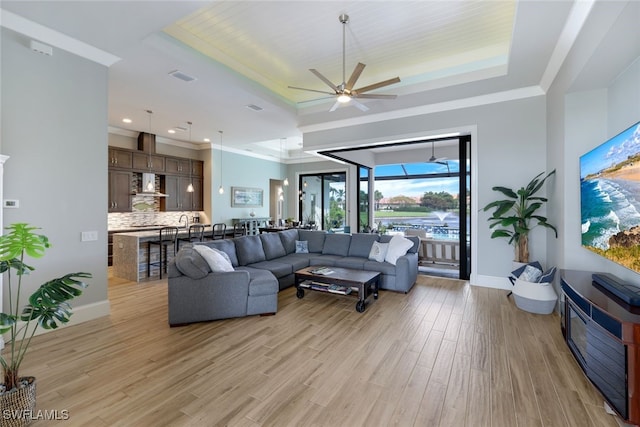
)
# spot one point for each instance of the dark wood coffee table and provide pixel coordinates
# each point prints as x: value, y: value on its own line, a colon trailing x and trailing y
x: 363, y: 282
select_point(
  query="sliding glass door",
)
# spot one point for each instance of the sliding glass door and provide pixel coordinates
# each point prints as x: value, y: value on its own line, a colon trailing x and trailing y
x: 364, y: 217
x: 323, y: 200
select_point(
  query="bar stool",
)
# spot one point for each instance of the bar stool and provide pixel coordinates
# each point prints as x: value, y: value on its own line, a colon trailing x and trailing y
x: 219, y: 231
x: 196, y: 234
x: 239, y: 229
x: 167, y: 237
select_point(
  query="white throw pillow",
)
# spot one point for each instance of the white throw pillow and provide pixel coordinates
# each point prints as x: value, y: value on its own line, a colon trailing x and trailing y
x: 378, y: 251
x: 217, y: 263
x: 530, y: 274
x: 398, y: 246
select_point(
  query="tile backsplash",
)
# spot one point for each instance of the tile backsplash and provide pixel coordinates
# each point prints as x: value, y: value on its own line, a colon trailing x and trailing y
x: 126, y: 220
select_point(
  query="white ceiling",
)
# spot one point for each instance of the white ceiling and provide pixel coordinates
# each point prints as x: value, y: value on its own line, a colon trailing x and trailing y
x: 247, y: 53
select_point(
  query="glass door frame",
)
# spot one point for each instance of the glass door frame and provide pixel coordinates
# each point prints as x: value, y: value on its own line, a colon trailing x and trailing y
x: 322, y: 196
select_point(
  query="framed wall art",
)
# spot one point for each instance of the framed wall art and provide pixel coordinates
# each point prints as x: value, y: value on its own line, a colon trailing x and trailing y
x: 244, y: 197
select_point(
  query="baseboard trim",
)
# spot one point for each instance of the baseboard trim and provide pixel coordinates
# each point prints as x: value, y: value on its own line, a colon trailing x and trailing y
x: 81, y: 314
x: 491, y: 282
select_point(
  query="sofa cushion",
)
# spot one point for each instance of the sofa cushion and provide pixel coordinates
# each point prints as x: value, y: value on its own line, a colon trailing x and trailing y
x: 315, y: 239
x: 416, y: 244
x: 378, y: 251
x: 297, y: 261
x: 361, y: 244
x: 355, y: 262
x: 249, y: 250
x: 272, y: 245
x: 191, y: 263
x: 336, y: 244
x: 385, y: 238
x: 382, y: 267
x: 279, y: 269
x: 398, y: 246
x: 288, y: 238
x: 227, y: 246
x: 319, y: 259
x: 217, y: 262
x: 302, y: 247
x: 261, y: 282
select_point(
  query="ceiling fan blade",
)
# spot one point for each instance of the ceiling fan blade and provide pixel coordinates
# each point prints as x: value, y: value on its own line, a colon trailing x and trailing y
x: 324, y: 79
x: 375, y: 96
x: 377, y: 85
x: 359, y: 105
x: 334, y: 107
x: 311, y: 90
x: 354, y: 76
x: 316, y: 99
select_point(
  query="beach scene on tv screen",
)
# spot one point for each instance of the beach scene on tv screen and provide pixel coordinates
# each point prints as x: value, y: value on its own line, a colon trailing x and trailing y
x: 610, y: 198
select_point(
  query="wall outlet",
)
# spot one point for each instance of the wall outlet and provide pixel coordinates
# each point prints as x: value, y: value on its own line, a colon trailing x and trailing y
x: 89, y: 236
x: 10, y: 203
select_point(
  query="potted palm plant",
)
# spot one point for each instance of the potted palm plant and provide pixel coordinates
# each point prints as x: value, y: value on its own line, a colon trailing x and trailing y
x: 47, y: 307
x: 514, y: 217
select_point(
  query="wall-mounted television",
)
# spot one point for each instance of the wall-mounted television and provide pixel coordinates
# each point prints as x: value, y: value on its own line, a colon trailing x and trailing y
x: 610, y: 198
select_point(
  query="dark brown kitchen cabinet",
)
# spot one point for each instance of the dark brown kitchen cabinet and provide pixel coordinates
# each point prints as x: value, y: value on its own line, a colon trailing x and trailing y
x: 175, y: 187
x: 119, y: 158
x: 119, y: 191
x: 148, y: 162
x: 177, y: 166
x: 196, y: 196
x: 197, y: 168
x: 178, y: 198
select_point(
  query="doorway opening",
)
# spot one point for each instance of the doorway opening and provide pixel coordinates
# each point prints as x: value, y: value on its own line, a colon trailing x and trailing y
x: 420, y: 188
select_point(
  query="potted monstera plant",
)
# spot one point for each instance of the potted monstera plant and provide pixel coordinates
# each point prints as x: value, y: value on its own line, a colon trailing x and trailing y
x: 48, y: 307
x: 514, y: 217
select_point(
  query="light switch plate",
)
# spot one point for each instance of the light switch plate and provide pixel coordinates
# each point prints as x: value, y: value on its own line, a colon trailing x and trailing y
x: 89, y: 236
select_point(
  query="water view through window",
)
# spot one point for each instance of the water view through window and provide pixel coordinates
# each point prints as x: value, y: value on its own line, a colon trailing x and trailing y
x: 420, y: 196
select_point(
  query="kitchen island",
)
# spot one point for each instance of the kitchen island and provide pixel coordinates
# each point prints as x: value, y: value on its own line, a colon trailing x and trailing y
x: 130, y: 253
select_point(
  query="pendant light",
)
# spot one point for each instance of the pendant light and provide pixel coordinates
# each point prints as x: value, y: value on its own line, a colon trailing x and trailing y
x: 190, y: 186
x: 221, y: 188
x: 286, y: 179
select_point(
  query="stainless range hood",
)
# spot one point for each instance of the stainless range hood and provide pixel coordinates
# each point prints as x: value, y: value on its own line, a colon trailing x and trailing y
x: 149, y: 186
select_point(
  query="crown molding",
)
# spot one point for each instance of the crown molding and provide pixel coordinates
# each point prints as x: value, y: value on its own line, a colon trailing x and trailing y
x: 46, y: 35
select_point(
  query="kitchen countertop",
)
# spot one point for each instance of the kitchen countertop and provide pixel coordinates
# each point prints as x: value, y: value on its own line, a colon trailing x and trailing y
x: 132, y: 229
x: 147, y: 234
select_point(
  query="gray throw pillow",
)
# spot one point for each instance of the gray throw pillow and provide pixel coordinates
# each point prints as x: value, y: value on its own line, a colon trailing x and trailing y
x: 191, y: 263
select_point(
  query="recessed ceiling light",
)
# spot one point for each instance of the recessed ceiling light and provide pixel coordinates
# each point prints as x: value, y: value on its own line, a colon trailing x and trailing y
x: 172, y: 131
x: 207, y: 140
x: 127, y: 120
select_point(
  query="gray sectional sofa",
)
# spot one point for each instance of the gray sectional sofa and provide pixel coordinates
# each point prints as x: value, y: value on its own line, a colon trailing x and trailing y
x: 264, y: 264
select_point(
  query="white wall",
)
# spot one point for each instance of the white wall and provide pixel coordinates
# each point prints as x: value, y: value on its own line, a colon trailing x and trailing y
x: 595, y: 96
x: 54, y: 128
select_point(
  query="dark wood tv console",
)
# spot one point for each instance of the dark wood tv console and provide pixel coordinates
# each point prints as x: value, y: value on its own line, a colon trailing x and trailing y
x: 603, y: 333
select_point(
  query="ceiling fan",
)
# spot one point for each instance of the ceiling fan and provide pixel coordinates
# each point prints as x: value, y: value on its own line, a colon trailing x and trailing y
x: 344, y: 92
x: 434, y: 159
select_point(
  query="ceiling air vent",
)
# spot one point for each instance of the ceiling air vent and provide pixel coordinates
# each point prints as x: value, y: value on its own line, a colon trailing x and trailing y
x: 254, y: 107
x: 182, y: 76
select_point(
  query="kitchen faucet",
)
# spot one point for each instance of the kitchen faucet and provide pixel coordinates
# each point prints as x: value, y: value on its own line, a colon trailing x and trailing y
x: 186, y: 218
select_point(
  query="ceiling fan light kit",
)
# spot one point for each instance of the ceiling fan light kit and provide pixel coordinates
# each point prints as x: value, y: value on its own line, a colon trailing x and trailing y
x: 344, y: 92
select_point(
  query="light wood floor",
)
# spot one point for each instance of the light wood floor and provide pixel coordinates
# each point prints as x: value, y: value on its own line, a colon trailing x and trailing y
x: 446, y: 354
